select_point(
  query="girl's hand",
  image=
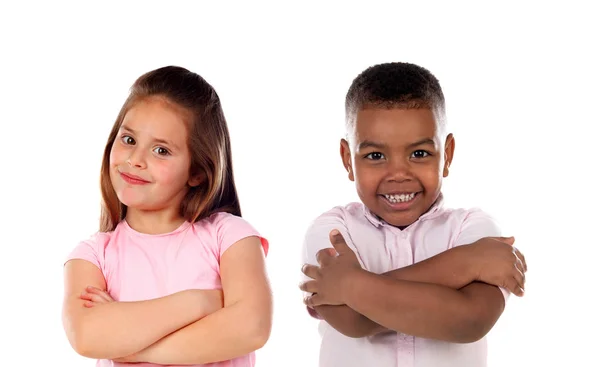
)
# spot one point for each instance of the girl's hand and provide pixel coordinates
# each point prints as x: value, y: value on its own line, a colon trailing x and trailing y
x: 94, y: 296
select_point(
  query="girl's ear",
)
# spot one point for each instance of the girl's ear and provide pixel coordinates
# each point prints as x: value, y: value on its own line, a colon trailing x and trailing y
x: 196, y: 180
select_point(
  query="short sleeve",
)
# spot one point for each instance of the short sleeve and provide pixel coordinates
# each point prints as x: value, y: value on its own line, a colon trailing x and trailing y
x: 90, y: 250
x: 477, y: 225
x: 231, y: 228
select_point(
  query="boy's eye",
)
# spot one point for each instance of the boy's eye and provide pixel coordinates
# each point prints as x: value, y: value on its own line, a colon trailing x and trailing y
x: 419, y: 154
x: 374, y: 156
x: 127, y: 140
x: 161, y: 151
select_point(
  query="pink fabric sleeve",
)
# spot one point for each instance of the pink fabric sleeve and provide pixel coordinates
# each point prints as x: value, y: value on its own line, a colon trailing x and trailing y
x: 477, y: 225
x: 89, y: 250
x: 231, y: 228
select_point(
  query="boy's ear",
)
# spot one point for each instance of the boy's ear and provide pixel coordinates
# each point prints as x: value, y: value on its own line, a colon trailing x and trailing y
x: 448, y: 153
x: 346, y: 158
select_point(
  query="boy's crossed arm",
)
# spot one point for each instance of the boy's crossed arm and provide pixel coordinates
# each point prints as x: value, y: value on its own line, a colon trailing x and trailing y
x: 437, y: 298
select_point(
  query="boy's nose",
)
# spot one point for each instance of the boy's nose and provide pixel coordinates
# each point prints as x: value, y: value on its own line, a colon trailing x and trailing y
x: 399, y: 172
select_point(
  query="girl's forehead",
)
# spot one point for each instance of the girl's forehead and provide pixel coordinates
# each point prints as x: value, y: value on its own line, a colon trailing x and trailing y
x: 157, y: 120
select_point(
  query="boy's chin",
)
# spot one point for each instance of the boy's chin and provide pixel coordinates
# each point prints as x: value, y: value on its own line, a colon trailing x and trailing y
x: 400, y: 220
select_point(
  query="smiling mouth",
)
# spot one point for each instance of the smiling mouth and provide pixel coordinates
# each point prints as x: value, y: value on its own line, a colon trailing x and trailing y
x: 399, y: 198
x: 134, y: 180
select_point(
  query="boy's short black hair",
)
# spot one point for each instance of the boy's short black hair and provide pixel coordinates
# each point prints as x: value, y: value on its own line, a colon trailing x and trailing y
x: 395, y: 85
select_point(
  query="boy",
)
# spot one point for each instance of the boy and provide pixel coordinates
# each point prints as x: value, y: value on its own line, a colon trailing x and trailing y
x: 402, y: 289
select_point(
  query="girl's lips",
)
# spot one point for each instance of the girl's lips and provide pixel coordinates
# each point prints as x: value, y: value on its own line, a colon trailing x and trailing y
x: 133, y: 179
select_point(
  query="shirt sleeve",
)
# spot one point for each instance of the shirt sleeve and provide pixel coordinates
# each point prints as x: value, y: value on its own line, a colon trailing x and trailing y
x: 231, y: 229
x: 477, y: 225
x: 317, y: 238
x: 89, y: 250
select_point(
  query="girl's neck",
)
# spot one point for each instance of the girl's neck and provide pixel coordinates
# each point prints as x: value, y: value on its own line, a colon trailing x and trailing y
x: 153, y: 222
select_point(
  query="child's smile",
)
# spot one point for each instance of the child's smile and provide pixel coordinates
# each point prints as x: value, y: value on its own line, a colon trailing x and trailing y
x: 397, y: 159
x: 400, y: 200
x: 149, y: 158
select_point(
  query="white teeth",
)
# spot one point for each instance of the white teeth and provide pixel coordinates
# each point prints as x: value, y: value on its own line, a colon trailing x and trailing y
x: 402, y: 198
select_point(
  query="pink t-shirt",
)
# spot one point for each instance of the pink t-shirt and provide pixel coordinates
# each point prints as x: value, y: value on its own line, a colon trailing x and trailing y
x: 380, y: 248
x: 138, y: 266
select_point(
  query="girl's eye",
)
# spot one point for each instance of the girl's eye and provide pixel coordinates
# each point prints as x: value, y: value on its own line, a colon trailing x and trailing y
x: 420, y: 154
x: 375, y: 156
x: 161, y: 151
x: 128, y: 140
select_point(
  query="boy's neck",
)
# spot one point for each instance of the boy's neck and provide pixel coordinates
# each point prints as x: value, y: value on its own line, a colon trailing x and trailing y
x: 153, y: 222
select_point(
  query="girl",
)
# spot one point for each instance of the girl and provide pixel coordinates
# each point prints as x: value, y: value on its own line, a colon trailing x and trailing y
x: 175, y: 275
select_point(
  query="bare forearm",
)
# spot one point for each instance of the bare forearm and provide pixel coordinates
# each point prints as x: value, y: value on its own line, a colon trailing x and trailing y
x: 450, y: 268
x: 447, y: 269
x: 419, y: 309
x: 118, y: 329
x: 348, y: 322
x: 229, y: 333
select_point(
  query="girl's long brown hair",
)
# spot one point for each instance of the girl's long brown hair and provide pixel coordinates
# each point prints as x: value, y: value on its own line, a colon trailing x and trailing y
x: 209, y: 146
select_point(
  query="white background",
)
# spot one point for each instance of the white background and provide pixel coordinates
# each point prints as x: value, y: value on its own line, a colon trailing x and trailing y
x: 521, y: 82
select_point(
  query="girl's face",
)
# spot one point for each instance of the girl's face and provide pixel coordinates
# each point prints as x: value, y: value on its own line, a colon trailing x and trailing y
x: 150, y: 159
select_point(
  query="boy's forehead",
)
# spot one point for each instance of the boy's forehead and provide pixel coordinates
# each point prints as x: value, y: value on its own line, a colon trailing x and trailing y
x: 394, y: 125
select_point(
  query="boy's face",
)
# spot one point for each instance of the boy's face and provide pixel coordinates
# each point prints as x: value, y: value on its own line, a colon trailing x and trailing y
x: 397, y: 157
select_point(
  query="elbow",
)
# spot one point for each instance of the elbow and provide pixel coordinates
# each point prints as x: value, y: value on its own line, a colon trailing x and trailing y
x: 87, y: 346
x: 82, y: 345
x: 471, y: 329
x: 259, y: 332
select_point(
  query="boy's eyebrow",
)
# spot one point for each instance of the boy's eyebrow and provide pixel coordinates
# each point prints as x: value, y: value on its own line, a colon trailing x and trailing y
x: 161, y: 141
x: 370, y: 144
x: 422, y: 142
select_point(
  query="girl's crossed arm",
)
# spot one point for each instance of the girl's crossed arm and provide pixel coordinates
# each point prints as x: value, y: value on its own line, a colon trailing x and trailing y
x: 118, y: 329
x: 241, y: 327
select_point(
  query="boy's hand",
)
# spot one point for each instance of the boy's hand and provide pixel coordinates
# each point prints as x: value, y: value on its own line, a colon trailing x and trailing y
x: 497, y: 262
x: 332, y: 275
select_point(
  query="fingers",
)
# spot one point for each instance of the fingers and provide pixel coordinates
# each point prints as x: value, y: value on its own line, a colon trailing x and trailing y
x: 92, y: 297
x: 103, y: 294
x: 522, y: 258
x: 313, y: 300
x: 325, y: 255
x: 520, y: 282
x: 513, y: 286
x: 507, y: 240
x: 310, y: 271
x: 520, y: 265
x: 310, y: 286
x: 338, y: 242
